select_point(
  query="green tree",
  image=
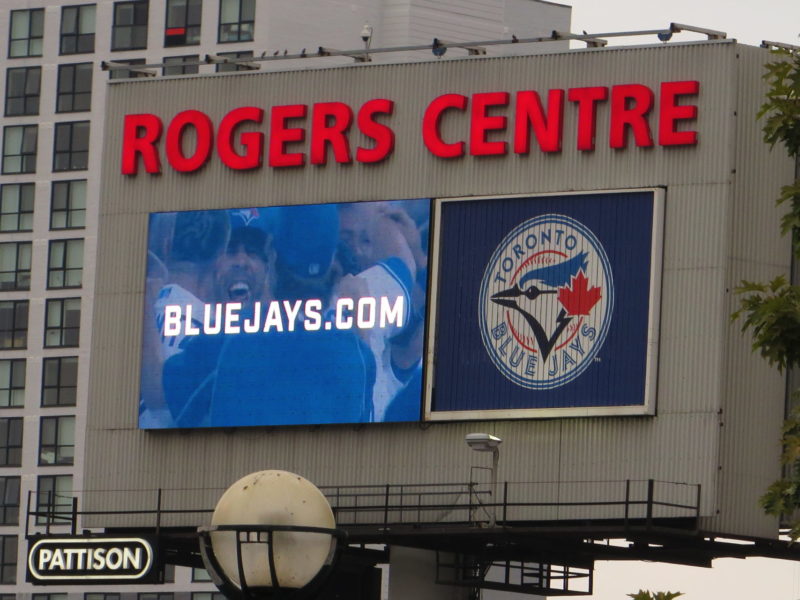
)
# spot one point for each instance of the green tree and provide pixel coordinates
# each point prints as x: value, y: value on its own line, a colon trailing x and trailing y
x: 648, y: 595
x: 771, y: 311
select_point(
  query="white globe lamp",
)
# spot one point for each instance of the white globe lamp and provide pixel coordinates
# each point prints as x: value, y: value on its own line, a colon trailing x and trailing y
x: 272, y: 535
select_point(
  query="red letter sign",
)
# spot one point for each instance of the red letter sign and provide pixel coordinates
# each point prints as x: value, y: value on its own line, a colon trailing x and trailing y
x: 630, y: 105
x: 430, y: 126
x: 547, y: 129
x: 134, y: 144
x: 482, y: 123
x: 204, y: 130
x: 330, y: 122
x: 280, y: 135
x: 671, y: 111
x: 587, y: 99
x: 253, y: 141
x: 383, y: 135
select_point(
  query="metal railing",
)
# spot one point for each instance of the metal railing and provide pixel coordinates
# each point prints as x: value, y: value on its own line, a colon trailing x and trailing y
x: 625, y: 501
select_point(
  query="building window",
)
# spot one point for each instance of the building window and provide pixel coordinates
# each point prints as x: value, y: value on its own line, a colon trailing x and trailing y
x: 9, y: 500
x: 208, y: 596
x: 71, y: 146
x: 54, y: 499
x: 177, y: 65
x: 61, y: 596
x: 236, y: 20
x: 12, y: 383
x: 19, y: 149
x: 68, y: 204
x: 127, y: 73
x: 13, y: 324
x: 183, y: 22
x: 74, y: 88
x: 77, y: 29
x: 23, y: 85
x: 11, y: 442
x: 232, y: 66
x: 168, y: 574
x: 26, y: 33
x: 62, y: 322
x: 16, y: 207
x: 155, y: 596
x: 100, y: 596
x: 57, y: 440
x: 65, y: 264
x: 129, y: 31
x: 8, y: 559
x: 15, y: 266
x: 59, y: 381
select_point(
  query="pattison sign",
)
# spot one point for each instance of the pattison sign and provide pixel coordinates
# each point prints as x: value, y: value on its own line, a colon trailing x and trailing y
x: 97, y: 559
x: 496, y: 123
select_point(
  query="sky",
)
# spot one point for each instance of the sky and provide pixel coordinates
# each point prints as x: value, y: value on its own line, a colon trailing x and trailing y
x: 750, y: 22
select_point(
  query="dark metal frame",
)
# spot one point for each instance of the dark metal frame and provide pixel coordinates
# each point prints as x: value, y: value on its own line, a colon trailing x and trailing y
x: 557, y: 537
x: 254, y: 534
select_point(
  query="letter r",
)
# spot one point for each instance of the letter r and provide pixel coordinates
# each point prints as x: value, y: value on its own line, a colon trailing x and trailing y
x: 139, y: 136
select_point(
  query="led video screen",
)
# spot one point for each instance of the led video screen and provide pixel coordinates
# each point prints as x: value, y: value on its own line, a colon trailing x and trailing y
x: 285, y: 315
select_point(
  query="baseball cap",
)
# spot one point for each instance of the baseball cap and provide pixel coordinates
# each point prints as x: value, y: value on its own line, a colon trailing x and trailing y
x: 200, y: 235
x: 257, y: 218
x: 306, y: 237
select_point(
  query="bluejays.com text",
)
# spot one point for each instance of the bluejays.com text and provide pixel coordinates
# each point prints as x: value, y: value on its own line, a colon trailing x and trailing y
x: 284, y: 315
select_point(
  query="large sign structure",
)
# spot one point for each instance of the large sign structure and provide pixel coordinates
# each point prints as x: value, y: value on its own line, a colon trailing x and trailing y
x: 314, y: 314
x: 571, y: 224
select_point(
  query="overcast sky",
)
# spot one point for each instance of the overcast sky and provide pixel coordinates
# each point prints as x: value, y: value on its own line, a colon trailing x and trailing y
x: 750, y: 22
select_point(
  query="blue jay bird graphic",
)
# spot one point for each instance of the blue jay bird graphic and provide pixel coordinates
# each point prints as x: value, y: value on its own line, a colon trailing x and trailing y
x: 553, y: 276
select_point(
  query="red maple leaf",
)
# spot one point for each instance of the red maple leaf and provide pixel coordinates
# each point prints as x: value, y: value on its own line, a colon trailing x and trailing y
x: 578, y: 298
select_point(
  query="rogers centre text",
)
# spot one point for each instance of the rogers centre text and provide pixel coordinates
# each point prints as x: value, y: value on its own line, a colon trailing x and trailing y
x: 491, y: 123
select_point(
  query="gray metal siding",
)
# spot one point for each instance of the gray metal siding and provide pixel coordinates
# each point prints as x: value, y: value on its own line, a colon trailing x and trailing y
x: 750, y: 435
x: 680, y: 443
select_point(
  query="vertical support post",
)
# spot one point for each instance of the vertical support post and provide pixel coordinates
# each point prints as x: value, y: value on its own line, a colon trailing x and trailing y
x: 505, y: 501
x: 28, y: 514
x: 495, y: 460
x: 158, y: 512
x: 50, y: 511
x: 386, y: 506
x: 650, y: 487
x: 471, y: 504
x: 74, y: 515
x: 627, y: 500
x: 697, y: 509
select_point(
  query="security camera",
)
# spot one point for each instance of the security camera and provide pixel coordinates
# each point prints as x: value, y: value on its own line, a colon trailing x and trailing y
x: 366, y: 33
x: 482, y: 442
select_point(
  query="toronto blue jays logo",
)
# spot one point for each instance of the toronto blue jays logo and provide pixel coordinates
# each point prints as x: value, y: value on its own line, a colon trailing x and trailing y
x: 546, y: 301
x: 247, y: 215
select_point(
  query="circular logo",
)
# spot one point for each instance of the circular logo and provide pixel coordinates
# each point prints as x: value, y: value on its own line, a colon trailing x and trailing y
x: 546, y: 301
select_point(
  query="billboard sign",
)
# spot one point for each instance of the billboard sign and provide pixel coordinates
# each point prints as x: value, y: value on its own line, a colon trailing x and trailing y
x: 551, y: 302
x: 285, y: 315
x: 92, y: 560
